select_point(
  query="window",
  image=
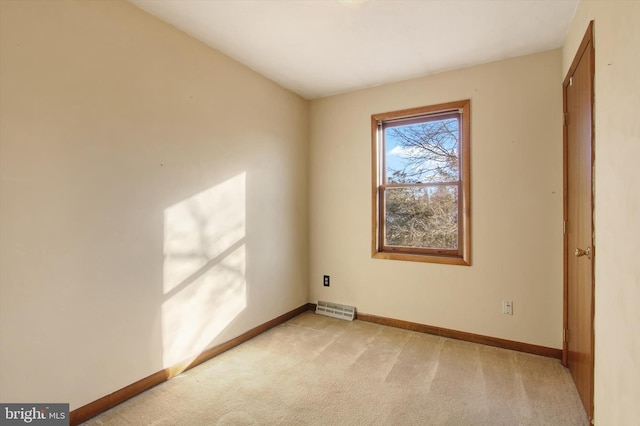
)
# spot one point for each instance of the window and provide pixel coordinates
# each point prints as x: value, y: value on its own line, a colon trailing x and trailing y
x: 421, y: 184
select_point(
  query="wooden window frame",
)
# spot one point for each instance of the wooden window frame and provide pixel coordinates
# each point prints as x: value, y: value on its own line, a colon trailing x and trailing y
x: 461, y: 256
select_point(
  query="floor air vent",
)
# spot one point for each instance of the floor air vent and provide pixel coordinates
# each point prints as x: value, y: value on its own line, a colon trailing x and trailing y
x: 336, y: 311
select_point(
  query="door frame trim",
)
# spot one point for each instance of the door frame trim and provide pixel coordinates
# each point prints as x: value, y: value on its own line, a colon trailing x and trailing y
x: 587, y: 42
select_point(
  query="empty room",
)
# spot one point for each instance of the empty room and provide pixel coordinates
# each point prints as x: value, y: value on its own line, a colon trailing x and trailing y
x: 408, y: 212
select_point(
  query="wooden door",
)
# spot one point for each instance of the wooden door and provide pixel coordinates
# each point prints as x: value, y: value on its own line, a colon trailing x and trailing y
x: 579, y: 250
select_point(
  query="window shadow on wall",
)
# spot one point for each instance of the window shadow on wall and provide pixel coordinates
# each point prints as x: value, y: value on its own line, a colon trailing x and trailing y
x: 204, y: 281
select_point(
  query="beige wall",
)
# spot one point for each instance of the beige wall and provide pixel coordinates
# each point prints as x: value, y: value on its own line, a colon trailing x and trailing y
x: 153, y: 199
x: 516, y: 196
x: 617, y: 203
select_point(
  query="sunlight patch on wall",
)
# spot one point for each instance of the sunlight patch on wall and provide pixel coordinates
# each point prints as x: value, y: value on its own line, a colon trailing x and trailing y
x: 204, y: 268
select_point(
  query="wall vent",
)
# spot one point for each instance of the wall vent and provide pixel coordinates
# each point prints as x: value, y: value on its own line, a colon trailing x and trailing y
x: 336, y: 311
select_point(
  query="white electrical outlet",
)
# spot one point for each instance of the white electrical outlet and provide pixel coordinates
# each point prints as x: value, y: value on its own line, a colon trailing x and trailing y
x: 507, y: 307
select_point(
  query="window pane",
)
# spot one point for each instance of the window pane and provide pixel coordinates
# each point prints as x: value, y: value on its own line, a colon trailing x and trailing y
x: 422, y: 217
x: 423, y: 153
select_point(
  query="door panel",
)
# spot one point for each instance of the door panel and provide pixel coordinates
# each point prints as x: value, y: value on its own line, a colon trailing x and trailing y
x: 579, y: 250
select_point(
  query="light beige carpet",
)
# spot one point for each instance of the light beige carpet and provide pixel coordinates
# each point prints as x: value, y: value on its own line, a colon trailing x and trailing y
x: 314, y: 370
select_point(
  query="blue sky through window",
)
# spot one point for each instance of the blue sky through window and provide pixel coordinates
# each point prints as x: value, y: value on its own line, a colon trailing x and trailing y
x: 426, y: 152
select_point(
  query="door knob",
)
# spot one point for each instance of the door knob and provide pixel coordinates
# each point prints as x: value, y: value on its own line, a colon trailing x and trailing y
x: 580, y: 252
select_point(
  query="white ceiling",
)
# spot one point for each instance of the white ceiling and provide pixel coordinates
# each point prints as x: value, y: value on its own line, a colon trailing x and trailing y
x: 318, y: 48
